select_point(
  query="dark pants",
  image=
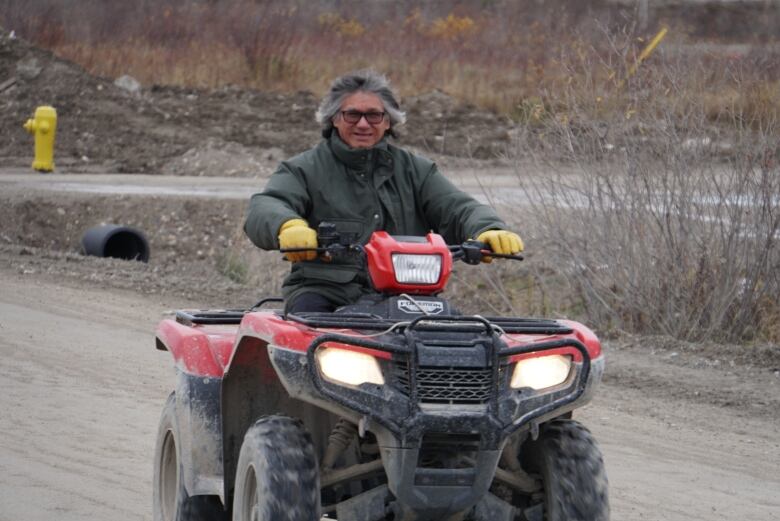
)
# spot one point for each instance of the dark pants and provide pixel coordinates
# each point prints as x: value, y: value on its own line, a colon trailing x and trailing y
x: 311, y: 302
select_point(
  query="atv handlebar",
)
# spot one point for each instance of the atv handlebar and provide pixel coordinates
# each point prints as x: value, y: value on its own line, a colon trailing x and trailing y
x: 335, y: 244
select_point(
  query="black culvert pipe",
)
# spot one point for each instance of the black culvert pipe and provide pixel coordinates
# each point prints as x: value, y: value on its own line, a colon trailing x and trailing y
x: 119, y: 242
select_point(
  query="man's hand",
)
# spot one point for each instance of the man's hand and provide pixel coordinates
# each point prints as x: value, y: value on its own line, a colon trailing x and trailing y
x: 296, y: 233
x: 501, y: 241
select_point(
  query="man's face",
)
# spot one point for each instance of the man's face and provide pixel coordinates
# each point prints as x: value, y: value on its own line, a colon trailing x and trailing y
x: 361, y: 134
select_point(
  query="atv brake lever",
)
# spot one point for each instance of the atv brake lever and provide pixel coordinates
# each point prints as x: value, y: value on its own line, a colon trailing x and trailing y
x: 298, y: 250
x: 489, y: 253
x: 469, y: 252
x: 472, y: 252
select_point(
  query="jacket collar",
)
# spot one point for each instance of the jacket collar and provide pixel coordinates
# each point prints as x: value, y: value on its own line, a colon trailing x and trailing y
x: 357, y: 158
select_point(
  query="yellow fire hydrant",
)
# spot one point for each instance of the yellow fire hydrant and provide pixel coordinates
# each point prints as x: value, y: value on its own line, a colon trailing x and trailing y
x: 44, y: 127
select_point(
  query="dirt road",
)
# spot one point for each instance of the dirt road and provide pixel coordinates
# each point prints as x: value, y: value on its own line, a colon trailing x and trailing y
x: 81, y: 388
x: 21, y: 180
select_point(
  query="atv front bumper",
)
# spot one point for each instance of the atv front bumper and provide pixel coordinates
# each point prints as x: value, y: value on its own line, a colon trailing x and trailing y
x: 408, y: 427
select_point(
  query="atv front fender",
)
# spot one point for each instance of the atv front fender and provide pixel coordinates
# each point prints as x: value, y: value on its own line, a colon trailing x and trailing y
x: 200, y: 434
x: 200, y: 354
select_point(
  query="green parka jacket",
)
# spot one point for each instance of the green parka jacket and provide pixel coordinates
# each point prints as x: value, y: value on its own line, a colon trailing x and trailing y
x: 360, y: 191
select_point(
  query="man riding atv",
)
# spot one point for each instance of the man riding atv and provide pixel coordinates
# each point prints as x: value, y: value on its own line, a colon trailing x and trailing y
x: 359, y: 182
x: 371, y: 398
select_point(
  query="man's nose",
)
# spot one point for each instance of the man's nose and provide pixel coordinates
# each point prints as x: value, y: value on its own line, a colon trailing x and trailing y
x: 363, y: 122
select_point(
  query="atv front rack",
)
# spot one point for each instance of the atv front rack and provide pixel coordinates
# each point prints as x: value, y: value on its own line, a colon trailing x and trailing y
x: 219, y: 316
x: 370, y: 322
x: 495, y: 423
x: 367, y: 321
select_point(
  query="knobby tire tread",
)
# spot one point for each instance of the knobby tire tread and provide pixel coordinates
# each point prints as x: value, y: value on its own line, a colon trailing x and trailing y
x: 575, y: 481
x: 286, y: 469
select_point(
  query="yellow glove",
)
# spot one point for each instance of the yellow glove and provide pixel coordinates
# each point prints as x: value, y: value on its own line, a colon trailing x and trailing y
x: 501, y: 241
x: 296, y: 233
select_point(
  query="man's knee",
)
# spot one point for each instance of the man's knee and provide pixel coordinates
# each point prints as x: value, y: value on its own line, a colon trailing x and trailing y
x: 311, y: 303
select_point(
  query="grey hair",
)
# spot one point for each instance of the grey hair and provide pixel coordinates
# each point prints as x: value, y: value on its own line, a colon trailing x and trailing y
x: 366, y: 80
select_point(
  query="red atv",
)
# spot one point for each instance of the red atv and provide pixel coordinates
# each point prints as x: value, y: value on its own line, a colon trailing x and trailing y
x: 395, y: 408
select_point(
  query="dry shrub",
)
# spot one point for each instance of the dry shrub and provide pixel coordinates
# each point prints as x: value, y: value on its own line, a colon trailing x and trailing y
x: 664, y: 212
x: 246, y: 264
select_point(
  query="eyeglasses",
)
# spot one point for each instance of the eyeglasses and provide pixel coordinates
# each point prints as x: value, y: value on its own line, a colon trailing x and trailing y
x: 354, y: 116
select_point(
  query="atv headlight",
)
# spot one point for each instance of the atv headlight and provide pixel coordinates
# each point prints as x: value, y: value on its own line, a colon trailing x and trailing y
x: 417, y: 269
x: 541, y: 372
x: 348, y: 367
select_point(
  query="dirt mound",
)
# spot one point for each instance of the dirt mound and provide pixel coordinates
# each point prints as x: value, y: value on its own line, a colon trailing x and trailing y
x: 227, y: 131
x: 98, y: 122
x: 438, y: 123
x: 139, y: 131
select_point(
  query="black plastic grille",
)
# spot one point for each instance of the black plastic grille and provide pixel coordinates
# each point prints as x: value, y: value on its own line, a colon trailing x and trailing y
x: 452, y: 385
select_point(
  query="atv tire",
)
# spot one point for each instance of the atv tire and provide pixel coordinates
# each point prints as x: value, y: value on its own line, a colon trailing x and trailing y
x: 572, y: 469
x: 171, y: 501
x: 277, y: 475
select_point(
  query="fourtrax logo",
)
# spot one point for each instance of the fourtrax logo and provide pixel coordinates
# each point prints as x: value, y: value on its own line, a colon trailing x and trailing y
x: 431, y: 307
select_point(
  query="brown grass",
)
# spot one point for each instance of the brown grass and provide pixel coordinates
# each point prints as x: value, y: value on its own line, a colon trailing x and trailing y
x: 497, y: 55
